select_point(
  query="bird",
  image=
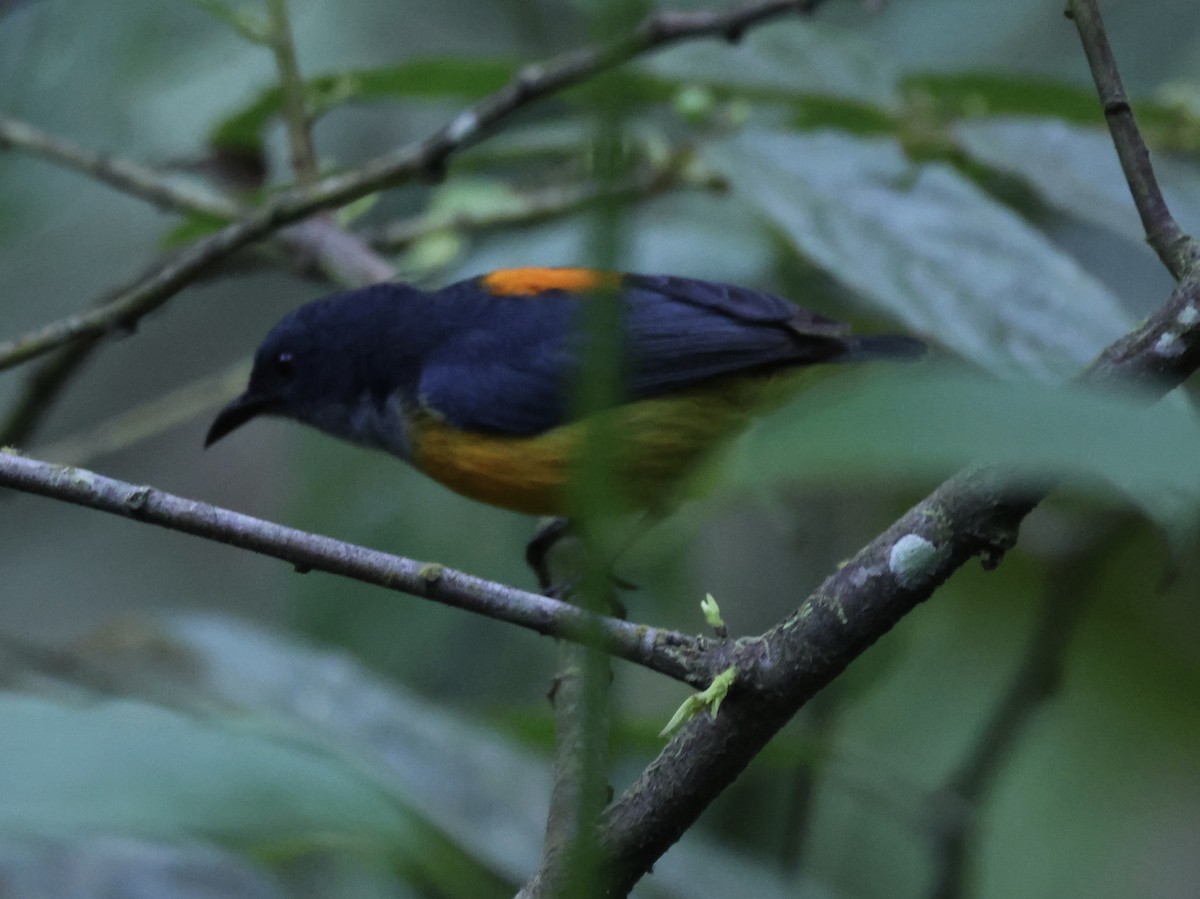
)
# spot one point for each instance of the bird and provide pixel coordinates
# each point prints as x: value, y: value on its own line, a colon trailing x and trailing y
x: 475, y: 384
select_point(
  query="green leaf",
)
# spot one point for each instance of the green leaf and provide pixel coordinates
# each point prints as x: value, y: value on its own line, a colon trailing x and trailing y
x: 194, y: 226
x: 249, y: 23
x: 840, y: 83
x: 99, y: 866
x: 923, y: 422
x: 1076, y: 170
x: 436, y: 78
x: 129, y: 767
x: 799, y: 59
x: 826, y: 77
x: 480, y: 801
x: 972, y: 94
x: 921, y: 243
x: 488, y: 793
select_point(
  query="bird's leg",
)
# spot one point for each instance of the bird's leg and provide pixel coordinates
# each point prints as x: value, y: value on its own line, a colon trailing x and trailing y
x: 550, y: 531
x: 556, y: 556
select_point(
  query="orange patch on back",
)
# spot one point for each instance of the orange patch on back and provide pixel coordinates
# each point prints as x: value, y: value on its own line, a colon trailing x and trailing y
x: 521, y: 281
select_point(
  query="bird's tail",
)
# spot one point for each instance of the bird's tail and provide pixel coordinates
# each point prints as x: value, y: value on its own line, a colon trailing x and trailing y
x: 882, y: 346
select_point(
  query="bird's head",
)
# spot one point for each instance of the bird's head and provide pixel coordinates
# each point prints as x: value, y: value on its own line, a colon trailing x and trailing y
x: 329, y: 364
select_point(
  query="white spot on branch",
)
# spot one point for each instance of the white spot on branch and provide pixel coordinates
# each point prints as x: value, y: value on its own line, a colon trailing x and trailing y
x: 912, y: 558
x: 463, y: 126
x: 1168, y: 344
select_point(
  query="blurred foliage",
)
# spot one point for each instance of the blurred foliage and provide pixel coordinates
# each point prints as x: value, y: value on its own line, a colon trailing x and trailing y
x: 924, y: 421
x: 938, y: 168
x: 423, y: 79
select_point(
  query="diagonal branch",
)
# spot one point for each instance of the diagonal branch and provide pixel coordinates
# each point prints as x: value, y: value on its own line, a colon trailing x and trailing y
x: 315, y: 246
x: 423, y: 157
x: 125, y: 175
x: 151, y: 418
x: 45, y: 385
x: 975, y: 513
x: 342, y: 257
x: 665, y: 651
x: 345, y: 259
x: 1177, y: 250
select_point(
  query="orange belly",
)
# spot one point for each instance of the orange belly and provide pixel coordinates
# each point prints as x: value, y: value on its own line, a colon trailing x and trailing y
x: 657, y: 441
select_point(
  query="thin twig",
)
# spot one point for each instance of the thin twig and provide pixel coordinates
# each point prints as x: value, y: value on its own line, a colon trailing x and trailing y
x: 528, y: 208
x: 424, y: 157
x: 316, y: 245
x: 45, y: 385
x: 295, y: 112
x: 664, y: 651
x: 319, y: 248
x: 1178, y: 251
x: 150, y: 419
x: 125, y: 175
x: 309, y: 241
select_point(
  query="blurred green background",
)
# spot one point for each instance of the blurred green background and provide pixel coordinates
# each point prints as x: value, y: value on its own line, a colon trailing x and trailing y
x: 185, y: 719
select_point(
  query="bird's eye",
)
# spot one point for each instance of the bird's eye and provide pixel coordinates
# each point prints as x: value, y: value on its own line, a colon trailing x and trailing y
x: 285, y: 364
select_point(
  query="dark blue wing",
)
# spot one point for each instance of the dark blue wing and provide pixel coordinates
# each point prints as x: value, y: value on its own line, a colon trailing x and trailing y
x: 681, y: 331
x: 512, y: 370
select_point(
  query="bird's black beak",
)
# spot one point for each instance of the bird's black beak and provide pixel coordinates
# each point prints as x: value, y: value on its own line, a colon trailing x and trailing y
x: 236, y: 414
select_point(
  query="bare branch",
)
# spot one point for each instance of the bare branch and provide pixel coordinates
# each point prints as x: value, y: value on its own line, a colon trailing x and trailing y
x: 975, y: 513
x: 149, y: 419
x: 342, y: 256
x: 1178, y: 251
x: 423, y: 157
x: 324, y: 247
x: 319, y: 247
x: 299, y: 126
x: 42, y: 390
x: 667, y: 652
x: 130, y: 177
